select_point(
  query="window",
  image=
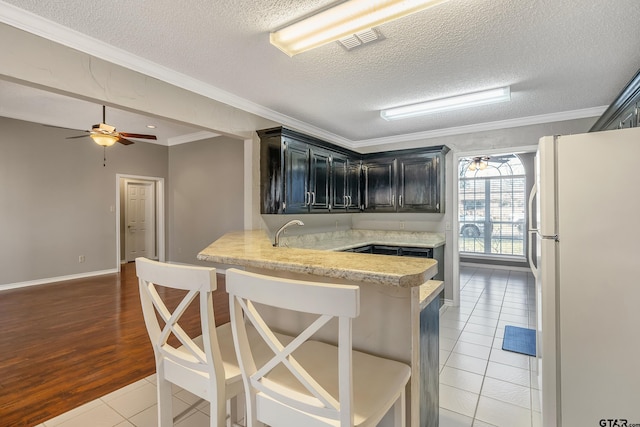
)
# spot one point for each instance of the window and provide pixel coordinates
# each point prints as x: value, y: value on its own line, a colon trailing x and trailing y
x: 491, y: 207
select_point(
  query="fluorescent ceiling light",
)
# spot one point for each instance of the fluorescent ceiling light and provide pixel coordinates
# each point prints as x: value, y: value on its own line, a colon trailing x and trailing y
x: 447, y: 104
x: 342, y: 21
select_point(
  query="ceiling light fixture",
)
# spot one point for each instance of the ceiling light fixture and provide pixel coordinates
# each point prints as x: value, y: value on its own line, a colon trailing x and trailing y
x: 103, y: 140
x: 342, y: 21
x: 474, y: 99
x: 480, y: 163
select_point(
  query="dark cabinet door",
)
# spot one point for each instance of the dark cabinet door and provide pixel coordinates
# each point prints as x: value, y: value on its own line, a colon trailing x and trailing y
x: 345, y: 174
x: 419, y: 188
x: 339, y: 172
x: 319, y: 179
x: 623, y: 111
x: 300, y: 174
x: 353, y: 186
x: 296, y: 173
x: 379, y: 186
x: 628, y: 118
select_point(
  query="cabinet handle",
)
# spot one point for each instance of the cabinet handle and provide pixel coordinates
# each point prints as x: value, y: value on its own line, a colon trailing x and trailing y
x: 393, y: 200
x: 307, y: 198
x: 400, y: 200
x: 313, y: 194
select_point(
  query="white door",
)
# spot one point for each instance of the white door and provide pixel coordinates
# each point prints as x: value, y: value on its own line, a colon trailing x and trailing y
x: 140, y: 233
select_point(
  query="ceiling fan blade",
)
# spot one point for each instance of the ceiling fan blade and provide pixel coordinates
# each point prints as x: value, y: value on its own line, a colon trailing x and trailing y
x: 75, y: 137
x: 123, y: 141
x: 137, y: 135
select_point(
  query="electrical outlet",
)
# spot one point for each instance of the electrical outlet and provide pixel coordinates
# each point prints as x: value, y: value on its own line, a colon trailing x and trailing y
x: 401, y: 225
x: 81, y: 259
x: 447, y: 226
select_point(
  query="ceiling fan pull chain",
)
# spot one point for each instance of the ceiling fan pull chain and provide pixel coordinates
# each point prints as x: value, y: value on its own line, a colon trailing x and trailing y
x: 104, y: 157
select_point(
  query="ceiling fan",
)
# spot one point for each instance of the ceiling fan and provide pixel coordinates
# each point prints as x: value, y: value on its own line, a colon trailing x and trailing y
x: 106, y: 135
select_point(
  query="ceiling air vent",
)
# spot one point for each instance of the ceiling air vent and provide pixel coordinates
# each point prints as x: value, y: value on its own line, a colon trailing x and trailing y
x: 358, y: 39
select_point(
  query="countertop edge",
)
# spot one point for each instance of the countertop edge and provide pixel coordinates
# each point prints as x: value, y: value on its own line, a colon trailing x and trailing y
x: 429, y: 291
x: 253, y: 249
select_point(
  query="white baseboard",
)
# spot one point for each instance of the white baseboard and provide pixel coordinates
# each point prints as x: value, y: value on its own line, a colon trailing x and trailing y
x: 447, y: 303
x: 56, y: 279
x: 495, y: 267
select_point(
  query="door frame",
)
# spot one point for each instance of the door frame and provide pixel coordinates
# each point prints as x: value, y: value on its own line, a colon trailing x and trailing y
x: 455, y: 222
x: 160, y: 215
x: 127, y: 212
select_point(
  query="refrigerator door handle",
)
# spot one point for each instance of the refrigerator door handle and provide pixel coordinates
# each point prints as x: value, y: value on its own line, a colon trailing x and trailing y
x: 532, y: 233
x: 534, y: 269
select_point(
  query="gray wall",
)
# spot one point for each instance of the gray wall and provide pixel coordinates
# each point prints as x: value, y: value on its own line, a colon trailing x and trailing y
x: 56, y: 198
x: 206, y: 195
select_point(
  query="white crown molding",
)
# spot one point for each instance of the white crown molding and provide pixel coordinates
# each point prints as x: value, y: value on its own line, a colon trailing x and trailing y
x: 50, y: 30
x: 482, y: 127
x: 55, y: 32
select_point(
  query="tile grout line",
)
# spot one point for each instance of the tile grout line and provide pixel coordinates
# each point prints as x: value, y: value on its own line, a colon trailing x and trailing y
x: 484, y: 376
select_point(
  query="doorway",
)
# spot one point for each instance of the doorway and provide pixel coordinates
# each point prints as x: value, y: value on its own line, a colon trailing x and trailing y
x: 477, y: 212
x: 139, y: 218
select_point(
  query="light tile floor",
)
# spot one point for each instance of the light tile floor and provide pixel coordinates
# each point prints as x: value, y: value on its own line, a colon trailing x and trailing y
x: 134, y: 405
x: 480, y: 384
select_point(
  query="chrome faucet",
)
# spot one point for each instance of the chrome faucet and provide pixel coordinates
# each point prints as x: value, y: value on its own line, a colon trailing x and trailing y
x: 276, y: 240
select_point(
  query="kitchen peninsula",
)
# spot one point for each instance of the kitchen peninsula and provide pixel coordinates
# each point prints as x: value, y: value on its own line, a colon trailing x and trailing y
x: 399, y: 309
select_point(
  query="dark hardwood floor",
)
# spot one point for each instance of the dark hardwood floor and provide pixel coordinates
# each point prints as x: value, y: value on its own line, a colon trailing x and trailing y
x: 67, y: 343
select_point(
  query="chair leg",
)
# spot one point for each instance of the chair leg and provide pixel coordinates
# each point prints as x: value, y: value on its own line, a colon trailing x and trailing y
x: 165, y: 410
x: 400, y: 411
x: 250, y: 411
x: 218, y: 413
x: 232, y: 412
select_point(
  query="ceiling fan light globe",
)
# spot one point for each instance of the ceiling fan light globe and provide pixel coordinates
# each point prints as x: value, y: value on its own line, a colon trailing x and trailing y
x: 104, y: 140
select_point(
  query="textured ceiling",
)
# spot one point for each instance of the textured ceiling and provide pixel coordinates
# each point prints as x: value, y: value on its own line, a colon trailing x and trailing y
x: 558, y: 56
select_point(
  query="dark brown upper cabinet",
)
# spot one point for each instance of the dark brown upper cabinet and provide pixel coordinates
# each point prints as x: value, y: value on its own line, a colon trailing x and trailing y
x: 302, y: 174
x: 624, y: 112
x: 405, y: 181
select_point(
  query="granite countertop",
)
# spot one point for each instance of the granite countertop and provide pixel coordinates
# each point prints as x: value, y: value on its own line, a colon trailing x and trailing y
x: 254, y: 249
x: 347, y: 239
x: 429, y: 291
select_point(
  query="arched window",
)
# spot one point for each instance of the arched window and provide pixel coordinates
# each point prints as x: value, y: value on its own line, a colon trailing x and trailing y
x: 492, y: 205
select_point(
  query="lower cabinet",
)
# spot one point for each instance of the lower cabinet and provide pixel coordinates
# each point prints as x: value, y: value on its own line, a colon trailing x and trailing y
x: 434, y: 253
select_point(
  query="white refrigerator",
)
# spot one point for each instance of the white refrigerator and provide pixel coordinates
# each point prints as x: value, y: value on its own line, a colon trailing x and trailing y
x: 587, y: 205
